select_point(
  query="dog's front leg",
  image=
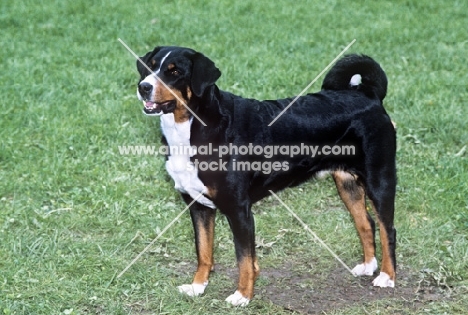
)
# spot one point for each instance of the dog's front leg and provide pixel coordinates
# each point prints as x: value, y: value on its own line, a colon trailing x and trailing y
x: 243, y: 229
x: 203, y: 219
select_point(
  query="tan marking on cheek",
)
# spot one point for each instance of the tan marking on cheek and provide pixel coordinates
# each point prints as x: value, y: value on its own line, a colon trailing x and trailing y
x: 189, y: 94
x: 181, y: 113
x: 162, y: 94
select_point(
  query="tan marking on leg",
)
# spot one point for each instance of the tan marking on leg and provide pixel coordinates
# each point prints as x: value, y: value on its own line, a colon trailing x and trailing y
x: 256, y: 267
x: 353, y: 197
x: 387, y: 264
x: 248, y: 273
x: 212, y: 191
x: 205, y: 253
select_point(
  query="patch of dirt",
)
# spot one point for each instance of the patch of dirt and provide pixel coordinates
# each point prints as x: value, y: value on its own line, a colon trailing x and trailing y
x: 295, y: 289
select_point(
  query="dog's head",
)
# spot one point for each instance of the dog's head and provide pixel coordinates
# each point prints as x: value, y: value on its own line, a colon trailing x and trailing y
x: 177, y: 76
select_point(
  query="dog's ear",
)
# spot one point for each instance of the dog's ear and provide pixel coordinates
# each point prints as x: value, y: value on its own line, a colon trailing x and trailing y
x: 141, y: 68
x: 204, y: 74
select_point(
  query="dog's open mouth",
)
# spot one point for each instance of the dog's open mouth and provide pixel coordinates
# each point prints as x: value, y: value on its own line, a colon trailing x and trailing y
x: 158, y: 108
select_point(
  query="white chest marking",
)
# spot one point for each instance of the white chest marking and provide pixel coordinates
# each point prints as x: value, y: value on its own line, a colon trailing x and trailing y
x: 180, y: 168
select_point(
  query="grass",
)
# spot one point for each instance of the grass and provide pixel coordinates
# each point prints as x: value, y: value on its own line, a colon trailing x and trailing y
x: 74, y: 212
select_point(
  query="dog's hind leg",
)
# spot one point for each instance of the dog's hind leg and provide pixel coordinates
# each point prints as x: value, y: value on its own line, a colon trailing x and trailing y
x: 388, y: 241
x: 384, y: 210
x: 381, y: 188
x: 203, y: 219
x: 353, y: 195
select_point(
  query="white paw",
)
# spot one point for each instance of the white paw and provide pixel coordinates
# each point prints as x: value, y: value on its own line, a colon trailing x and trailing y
x: 237, y: 299
x: 366, y: 269
x: 192, y: 289
x: 383, y: 281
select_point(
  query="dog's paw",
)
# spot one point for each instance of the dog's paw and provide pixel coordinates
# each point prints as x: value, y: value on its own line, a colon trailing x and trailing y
x: 237, y: 299
x: 192, y: 289
x: 366, y: 269
x: 383, y: 281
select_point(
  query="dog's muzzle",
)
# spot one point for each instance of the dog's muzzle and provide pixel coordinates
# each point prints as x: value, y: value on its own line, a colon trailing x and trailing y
x: 145, y: 91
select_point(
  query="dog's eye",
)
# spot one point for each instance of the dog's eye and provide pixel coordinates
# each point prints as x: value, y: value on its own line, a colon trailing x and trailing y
x: 175, y: 72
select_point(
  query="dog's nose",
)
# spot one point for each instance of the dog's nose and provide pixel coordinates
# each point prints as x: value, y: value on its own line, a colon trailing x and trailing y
x: 145, y: 89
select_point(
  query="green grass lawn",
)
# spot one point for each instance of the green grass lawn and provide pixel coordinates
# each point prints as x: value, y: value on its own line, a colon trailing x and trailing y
x: 74, y: 212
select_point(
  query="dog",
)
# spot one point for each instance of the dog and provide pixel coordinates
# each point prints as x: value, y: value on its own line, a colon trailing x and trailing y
x: 348, y: 110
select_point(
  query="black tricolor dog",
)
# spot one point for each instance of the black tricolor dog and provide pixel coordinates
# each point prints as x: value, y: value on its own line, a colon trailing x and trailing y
x: 347, y: 111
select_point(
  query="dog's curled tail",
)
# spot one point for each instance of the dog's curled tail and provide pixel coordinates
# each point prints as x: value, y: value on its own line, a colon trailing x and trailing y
x: 357, y: 72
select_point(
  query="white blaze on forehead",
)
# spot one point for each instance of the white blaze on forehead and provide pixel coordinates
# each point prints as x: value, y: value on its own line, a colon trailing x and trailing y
x: 151, y: 78
x: 162, y: 61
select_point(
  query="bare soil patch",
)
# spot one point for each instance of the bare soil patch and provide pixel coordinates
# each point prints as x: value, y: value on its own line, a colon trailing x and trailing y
x: 293, y: 288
